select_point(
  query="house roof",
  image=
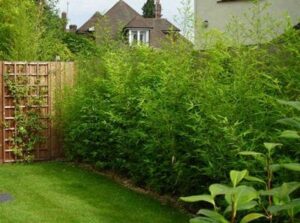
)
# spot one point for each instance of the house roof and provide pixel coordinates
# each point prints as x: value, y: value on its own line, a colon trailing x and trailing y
x: 162, y: 24
x: 159, y: 28
x: 120, y: 15
x: 90, y: 23
x: 157, y: 23
x: 139, y: 22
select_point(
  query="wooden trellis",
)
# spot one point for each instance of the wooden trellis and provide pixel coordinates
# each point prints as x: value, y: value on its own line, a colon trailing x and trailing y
x: 42, y: 80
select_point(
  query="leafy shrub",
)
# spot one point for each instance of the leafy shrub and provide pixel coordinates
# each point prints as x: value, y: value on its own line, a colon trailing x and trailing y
x: 80, y: 45
x: 269, y: 202
x: 31, y: 31
x: 175, y: 119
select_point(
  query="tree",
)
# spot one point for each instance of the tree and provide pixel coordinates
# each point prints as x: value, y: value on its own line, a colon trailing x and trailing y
x: 31, y: 30
x: 149, y: 9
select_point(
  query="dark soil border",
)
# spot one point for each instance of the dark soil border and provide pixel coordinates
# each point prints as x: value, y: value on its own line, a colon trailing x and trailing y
x: 127, y: 183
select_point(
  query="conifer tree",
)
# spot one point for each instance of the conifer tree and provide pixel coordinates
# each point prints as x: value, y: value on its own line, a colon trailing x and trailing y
x: 149, y: 9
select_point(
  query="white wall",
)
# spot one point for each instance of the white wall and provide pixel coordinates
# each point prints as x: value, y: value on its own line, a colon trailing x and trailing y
x: 219, y: 15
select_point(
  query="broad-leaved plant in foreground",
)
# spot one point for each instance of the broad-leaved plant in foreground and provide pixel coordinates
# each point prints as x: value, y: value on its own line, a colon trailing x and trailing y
x: 271, y: 203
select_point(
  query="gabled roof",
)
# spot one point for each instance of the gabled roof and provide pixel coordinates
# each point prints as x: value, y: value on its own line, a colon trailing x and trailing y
x: 162, y: 24
x: 120, y: 15
x: 139, y: 22
x: 90, y: 23
x: 157, y: 23
x: 159, y: 28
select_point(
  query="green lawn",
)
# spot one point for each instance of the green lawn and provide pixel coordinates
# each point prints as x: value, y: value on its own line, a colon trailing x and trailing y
x: 58, y: 192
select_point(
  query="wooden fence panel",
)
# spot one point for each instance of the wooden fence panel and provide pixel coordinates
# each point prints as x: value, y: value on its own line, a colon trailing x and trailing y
x: 1, y: 114
x: 43, y: 80
x: 62, y: 75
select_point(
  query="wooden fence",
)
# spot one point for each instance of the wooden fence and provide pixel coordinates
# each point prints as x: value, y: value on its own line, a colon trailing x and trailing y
x: 44, y: 80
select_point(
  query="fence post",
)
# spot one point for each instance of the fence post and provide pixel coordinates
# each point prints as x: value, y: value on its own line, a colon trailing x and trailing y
x: 1, y: 113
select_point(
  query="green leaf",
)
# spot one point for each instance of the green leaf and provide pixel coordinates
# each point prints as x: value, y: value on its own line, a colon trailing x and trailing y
x: 271, y: 146
x: 293, y: 122
x: 242, y: 207
x: 267, y: 192
x: 252, y: 217
x: 203, y: 220
x: 237, y: 176
x: 249, y: 153
x: 242, y: 196
x: 218, y: 189
x: 287, y: 188
x: 289, y: 134
x: 197, y: 198
x: 255, y: 179
x: 294, y: 104
x: 292, y: 166
x: 282, y: 193
x: 213, y: 215
x: 289, y: 206
x: 296, y: 207
x: 288, y: 166
x: 275, y: 167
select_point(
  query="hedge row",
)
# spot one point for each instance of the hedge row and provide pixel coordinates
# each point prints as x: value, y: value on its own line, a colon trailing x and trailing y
x: 174, y: 119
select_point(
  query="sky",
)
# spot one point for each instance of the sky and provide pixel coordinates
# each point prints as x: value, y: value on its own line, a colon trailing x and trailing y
x: 79, y: 11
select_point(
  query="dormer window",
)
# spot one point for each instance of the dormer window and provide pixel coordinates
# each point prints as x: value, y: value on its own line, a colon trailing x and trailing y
x: 138, y: 36
x: 91, y: 29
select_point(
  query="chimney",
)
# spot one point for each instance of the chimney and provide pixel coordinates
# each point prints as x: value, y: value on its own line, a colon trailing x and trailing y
x: 158, y: 9
x: 64, y: 15
x: 64, y: 20
x: 72, y: 28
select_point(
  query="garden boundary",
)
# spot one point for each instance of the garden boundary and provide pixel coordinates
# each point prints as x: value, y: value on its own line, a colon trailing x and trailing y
x: 44, y: 80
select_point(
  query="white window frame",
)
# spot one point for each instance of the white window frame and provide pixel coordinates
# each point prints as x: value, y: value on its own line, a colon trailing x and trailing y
x: 91, y: 29
x: 138, y: 32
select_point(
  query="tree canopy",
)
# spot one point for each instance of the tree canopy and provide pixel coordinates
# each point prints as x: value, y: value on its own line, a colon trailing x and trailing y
x: 149, y: 9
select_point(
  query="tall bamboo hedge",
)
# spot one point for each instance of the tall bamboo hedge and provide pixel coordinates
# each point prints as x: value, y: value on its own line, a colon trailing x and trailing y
x: 174, y: 119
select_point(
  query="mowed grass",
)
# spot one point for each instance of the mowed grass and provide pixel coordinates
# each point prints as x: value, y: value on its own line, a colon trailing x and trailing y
x: 59, y: 192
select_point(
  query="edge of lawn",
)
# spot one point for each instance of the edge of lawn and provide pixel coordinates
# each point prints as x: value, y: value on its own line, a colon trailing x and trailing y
x: 129, y: 184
